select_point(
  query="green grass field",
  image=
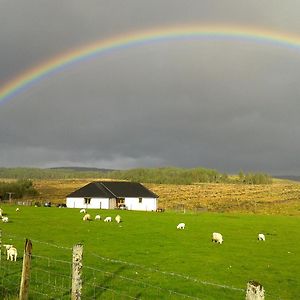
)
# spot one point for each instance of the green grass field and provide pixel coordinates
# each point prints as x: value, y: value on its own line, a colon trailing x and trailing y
x: 146, y: 257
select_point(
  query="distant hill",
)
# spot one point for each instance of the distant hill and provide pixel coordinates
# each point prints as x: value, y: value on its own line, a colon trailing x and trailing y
x: 288, y: 177
x: 170, y: 175
x: 82, y: 169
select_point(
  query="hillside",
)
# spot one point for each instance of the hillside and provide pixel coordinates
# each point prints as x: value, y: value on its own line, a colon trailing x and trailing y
x: 281, y: 197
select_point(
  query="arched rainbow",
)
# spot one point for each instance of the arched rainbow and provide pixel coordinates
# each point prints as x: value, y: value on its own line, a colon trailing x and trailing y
x: 29, y: 78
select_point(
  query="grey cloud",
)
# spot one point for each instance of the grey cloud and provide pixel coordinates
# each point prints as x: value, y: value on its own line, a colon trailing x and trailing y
x: 223, y: 104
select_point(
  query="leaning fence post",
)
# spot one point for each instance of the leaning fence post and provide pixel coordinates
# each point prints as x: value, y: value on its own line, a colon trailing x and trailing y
x: 76, y: 272
x: 24, y: 287
x: 255, y: 291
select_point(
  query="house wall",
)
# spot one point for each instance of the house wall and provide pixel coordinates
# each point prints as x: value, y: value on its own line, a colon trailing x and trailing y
x: 95, y: 203
x: 147, y: 204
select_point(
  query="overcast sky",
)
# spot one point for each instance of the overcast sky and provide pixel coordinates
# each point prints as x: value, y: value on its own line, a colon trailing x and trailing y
x: 229, y: 105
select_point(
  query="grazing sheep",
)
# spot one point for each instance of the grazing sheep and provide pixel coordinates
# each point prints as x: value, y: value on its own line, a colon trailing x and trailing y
x: 4, y: 219
x: 11, y: 252
x: 118, y: 218
x: 17, y: 209
x: 87, y: 217
x: 217, y: 237
x: 261, y: 237
x: 107, y: 219
x: 82, y: 211
x: 181, y: 226
x: 98, y: 217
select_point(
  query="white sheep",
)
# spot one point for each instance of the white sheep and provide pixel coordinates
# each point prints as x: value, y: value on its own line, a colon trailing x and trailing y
x: 118, y: 218
x: 17, y: 209
x: 11, y: 252
x: 261, y: 237
x: 217, y: 237
x: 181, y: 226
x: 97, y: 217
x: 87, y: 217
x: 82, y: 211
x: 1, y: 212
x: 107, y: 219
x: 4, y: 219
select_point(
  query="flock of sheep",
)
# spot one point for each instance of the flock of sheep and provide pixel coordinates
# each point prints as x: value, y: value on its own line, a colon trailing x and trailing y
x: 218, y: 238
x: 87, y: 217
x: 12, y: 252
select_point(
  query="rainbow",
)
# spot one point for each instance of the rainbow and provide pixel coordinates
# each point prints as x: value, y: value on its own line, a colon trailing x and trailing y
x: 29, y: 78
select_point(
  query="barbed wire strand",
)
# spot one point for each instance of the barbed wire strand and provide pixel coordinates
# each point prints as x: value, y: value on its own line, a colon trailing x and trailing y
x: 141, y: 282
x: 167, y: 273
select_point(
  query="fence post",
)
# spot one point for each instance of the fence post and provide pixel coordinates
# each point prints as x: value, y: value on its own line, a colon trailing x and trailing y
x: 76, y: 272
x: 24, y: 287
x: 255, y: 291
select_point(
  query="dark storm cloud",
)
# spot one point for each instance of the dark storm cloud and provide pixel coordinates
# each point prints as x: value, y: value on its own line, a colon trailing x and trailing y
x: 222, y: 104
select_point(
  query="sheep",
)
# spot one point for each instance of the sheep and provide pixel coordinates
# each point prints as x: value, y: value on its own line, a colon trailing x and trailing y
x: 1, y: 212
x: 217, y: 237
x: 107, y: 219
x: 97, y: 217
x: 261, y: 237
x: 7, y: 246
x: 87, y: 217
x: 11, y: 252
x: 118, y: 218
x: 82, y: 211
x: 4, y: 219
x: 181, y: 226
x: 17, y: 209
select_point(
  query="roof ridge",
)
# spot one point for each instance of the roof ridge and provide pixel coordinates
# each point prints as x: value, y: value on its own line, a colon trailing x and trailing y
x: 102, y: 183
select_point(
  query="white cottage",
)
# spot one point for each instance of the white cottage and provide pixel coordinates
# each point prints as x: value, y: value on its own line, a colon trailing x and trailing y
x: 113, y: 194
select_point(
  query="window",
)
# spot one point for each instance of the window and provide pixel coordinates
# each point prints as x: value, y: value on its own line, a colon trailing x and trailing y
x: 87, y: 200
x: 140, y: 200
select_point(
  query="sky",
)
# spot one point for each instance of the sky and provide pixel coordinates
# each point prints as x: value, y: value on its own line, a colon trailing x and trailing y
x: 220, y: 103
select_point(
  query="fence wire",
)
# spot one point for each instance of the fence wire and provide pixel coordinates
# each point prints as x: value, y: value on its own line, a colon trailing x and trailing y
x: 108, y: 278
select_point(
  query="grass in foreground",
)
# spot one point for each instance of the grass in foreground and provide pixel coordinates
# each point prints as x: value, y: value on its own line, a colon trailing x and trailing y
x: 146, y: 257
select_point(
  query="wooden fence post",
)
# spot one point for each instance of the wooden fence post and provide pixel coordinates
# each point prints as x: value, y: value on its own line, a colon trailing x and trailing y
x: 255, y: 291
x: 76, y: 272
x: 24, y: 287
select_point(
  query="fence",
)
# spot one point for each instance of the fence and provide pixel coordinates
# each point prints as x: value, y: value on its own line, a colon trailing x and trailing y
x: 101, y: 278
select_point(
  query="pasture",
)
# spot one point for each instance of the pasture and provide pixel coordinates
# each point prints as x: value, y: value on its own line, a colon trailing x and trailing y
x: 146, y: 257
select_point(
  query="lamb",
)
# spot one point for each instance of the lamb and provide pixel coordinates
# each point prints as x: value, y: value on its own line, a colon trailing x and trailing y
x: 82, y: 211
x: 11, y: 252
x: 118, y: 218
x: 261, y: 237
x: 181, y: 226
x: 107, y: 219
x: 217, y: 237
x: 4, y: 219
x: 97, y: 217
x: 87, y: 217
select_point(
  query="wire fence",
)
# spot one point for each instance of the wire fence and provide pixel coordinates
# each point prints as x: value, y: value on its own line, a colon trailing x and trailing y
x: 103, y: 278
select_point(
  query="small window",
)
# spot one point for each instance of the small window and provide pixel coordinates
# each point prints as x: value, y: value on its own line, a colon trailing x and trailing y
x: 87, y: 200
x: 140, y: 200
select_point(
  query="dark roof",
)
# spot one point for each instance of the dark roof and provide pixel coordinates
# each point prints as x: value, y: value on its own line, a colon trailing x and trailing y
x: 113, y: 189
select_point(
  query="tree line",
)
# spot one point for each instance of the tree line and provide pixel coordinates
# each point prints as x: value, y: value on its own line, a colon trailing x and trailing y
x: 166, y: 175
x: 17, y: 189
